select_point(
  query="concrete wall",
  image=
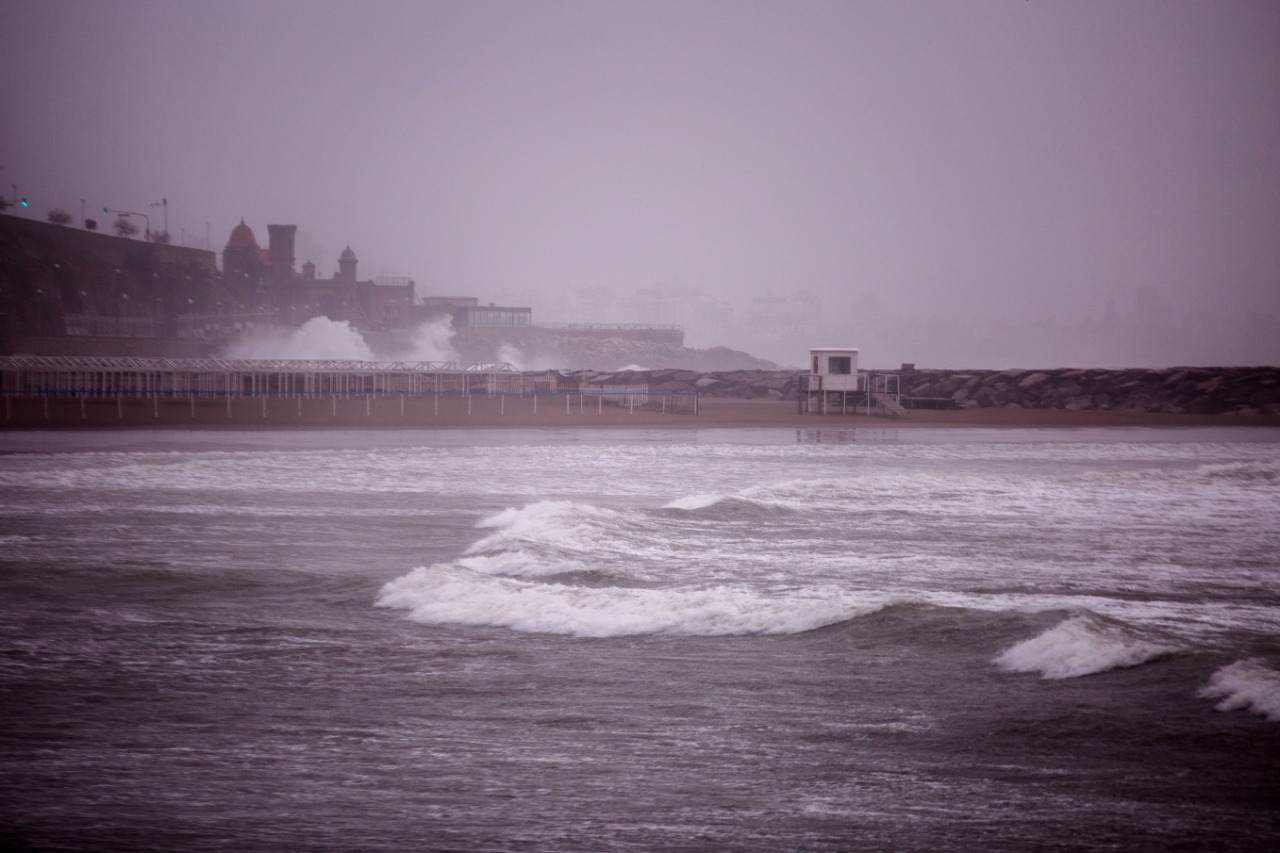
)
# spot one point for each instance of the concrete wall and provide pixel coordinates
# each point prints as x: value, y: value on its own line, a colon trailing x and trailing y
x: 106, y: 246
x: 50, y: 272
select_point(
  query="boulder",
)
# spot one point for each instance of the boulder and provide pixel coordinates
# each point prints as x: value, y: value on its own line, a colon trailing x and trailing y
x: 1032, y: 380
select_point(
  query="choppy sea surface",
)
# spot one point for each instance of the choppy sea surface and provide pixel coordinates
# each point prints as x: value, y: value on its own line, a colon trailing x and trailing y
x: 749, y: 640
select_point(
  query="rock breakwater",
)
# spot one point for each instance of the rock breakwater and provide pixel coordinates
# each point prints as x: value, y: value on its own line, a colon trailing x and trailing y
x: 1173, y: 390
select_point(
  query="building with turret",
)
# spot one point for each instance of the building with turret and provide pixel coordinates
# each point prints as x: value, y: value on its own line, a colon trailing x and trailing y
x: 242, y: 263
x: 268, y: 275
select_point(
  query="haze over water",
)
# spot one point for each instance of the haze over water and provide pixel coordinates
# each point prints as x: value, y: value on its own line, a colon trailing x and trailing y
x: 827, y: 639
x: 980, y: 184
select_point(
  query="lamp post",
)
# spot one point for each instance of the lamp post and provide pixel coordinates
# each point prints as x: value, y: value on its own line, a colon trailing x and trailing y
x: 164, y: 202
x: 125, y: 214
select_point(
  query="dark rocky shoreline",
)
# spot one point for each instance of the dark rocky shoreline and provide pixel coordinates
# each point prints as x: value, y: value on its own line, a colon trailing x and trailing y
x: 1172, y: 390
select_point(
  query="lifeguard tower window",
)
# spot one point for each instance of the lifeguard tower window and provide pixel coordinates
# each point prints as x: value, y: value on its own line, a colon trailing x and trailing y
x: 839, y: 364
x: 815, y: 364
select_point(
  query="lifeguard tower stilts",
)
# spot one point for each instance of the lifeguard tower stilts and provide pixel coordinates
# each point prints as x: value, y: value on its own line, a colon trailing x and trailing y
x: 834, y: 385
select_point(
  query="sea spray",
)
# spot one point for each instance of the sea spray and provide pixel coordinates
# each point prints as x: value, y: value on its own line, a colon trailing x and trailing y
x: 322, y: 338
x: 512, y: 355
x: 431, y: 341
x: 318, y: 338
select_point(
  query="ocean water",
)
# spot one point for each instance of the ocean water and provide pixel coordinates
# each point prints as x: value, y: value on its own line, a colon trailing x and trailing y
x: 749, y: 640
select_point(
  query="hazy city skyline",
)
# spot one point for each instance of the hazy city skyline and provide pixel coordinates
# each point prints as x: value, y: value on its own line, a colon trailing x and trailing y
x: 959, y: 184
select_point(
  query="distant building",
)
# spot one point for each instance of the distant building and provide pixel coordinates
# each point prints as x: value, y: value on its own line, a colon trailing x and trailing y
x: 476, y: 316
x: 242, y: 259
x: 466, y: 312
x: 269, y: 274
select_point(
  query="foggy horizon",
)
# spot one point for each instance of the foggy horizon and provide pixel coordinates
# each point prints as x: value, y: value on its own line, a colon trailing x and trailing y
x: 986, y: 184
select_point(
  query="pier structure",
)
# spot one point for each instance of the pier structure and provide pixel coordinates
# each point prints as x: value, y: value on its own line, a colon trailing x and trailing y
x: 834, y: 385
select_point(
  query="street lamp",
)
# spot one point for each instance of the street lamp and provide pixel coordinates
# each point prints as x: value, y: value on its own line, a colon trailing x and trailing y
x: 164, y: 202
x: 125, y: 214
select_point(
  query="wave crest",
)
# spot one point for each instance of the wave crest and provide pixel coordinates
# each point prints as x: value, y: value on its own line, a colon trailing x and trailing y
x: 445, y: 594
x: 1246, y: 685
x: 563, y: 527
x: 1080, y: 645
x: 785, y: 496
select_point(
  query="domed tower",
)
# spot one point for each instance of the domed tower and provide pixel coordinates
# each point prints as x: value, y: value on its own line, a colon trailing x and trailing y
x: 242, y: 258
x: 347, y: 266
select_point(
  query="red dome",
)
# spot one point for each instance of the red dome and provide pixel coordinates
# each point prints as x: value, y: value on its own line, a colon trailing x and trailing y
x: 242, y: 237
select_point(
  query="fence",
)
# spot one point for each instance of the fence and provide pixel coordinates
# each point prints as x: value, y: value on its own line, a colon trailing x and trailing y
x: 72, y: 376
x: 101, y: 377
x: 635, y: 396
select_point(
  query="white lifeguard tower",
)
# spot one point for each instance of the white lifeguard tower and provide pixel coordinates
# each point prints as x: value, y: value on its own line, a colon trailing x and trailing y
x: 833, y: 384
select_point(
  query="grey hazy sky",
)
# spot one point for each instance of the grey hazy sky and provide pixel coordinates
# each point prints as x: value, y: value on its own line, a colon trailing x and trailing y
x: 962, y: 160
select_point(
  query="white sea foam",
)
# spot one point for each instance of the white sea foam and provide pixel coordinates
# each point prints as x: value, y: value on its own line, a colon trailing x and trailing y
x: 519, y: 563
x: 1080, y: 645
x: 448, y: 594
x: 1246, y: 684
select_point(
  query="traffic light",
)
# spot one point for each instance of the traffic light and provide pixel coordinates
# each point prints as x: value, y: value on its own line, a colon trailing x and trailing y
x: 24, y: 202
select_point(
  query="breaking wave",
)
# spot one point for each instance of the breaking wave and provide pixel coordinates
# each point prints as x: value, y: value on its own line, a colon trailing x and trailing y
x: 1081, y: 645
x: 451, y: 594
x: 552, y: 537
x: 1246, y: 685
x: 565, y: 567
